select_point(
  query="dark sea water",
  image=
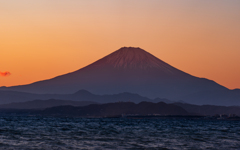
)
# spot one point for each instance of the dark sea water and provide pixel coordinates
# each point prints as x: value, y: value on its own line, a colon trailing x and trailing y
x: 23, y: 132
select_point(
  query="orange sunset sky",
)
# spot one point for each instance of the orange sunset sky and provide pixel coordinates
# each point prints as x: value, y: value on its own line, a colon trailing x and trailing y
x: 41, y: 39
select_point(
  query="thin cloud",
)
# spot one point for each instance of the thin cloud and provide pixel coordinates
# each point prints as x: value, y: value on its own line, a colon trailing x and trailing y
x: 5, y: 74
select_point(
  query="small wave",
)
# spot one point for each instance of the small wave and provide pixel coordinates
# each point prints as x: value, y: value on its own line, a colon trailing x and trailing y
x: 22, y: 132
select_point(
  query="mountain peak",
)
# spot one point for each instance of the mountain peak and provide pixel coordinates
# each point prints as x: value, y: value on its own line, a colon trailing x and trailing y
x: 133, y: 53
x: 82, y: 92
x: 134, y: 57
x: 128, y: 49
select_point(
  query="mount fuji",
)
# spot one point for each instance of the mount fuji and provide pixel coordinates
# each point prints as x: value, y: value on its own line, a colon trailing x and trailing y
x: 128, y: 69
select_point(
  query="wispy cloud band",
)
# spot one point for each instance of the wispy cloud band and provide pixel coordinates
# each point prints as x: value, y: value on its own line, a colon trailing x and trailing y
x: 5, y: 74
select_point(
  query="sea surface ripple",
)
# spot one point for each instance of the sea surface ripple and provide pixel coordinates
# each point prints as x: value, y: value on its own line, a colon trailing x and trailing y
x: 30, y: 132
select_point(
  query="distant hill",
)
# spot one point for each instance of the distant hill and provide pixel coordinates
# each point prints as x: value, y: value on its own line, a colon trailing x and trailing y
x: 209, y: 109
x: 217, y: 97
x: 42, y: 104
x: 131, y: 70
x: 91, y: 109
x: 115, y: 109
x: 7, y: 97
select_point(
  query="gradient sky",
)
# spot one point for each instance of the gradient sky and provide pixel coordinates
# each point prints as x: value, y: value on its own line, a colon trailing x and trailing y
x: 41, y: 39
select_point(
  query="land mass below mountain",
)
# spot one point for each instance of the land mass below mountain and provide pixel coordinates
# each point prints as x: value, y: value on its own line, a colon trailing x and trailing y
x: 42, y: 104
x: 91, y: 109
x: 104, y: 110
x: 134, y: 70
x: 7, y: 97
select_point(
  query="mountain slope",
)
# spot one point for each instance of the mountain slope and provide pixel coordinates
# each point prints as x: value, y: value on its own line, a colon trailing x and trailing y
x: 209, y: 109
x: 125, y: 70
x: 215, y: 97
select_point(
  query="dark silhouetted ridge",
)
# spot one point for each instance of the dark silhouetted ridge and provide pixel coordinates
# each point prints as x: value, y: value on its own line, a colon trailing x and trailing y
x: 42, y: 104
x: 117, y: 109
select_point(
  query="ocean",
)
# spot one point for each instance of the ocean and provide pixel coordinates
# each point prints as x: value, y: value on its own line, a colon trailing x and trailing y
x: 60, y: 133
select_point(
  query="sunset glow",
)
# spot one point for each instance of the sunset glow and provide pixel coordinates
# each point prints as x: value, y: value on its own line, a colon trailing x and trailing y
x: 43, y: 39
